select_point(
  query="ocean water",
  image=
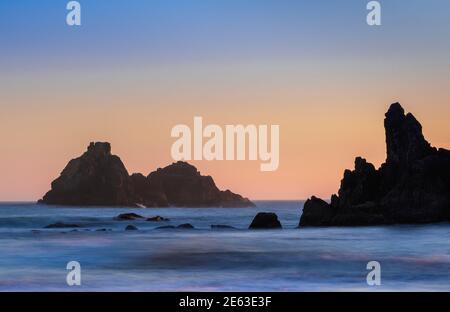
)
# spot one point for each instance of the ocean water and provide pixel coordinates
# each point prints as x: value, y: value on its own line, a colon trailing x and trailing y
x: 415, y: 257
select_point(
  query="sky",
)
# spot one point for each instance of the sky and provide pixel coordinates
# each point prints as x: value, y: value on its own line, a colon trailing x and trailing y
x: 134, y: 69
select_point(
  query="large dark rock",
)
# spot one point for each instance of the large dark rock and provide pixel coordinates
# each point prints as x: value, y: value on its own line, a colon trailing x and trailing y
x: 265, y: 220
x: 412, y: 186
x: 183, y: 185
x: 98, y: 178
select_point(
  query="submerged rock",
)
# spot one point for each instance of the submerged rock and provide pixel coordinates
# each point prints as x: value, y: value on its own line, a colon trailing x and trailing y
x: 165, y: 227
x: 181, y: 226
x: 221, y: 227
x: 157, y: 219
x: 98, y: 178
x: 185, y: 226
x: 128, y: 216
x: 61, y: 225
x: 412, y: 186
x: 131, y: 227
x: 265, y: 220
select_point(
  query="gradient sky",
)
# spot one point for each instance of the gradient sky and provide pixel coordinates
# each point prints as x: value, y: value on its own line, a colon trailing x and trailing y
x: 134, y: 69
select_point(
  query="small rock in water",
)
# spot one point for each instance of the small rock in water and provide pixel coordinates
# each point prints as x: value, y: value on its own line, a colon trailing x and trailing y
x: 181, y: 226
x: 131, y: 228
x: 103, y: 230
x: 185, y: 226
x: 61, y: 225
x: 265, y: 220
x: 128, y: 216
x: 221, y: 226
x: 157, y: 218
x: 165, y: 227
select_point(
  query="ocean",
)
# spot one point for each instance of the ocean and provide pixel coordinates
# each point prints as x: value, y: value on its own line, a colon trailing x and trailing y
x: 411, y: 257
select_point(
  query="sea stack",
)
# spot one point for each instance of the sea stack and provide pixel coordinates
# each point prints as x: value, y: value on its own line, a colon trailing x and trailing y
x: 98, y: 178
x: 412, y: 186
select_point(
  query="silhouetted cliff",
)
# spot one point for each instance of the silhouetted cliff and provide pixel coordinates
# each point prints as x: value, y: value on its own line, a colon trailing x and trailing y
x: 412, y: 186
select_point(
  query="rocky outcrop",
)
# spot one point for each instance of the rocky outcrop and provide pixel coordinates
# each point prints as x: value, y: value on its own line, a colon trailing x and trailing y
x: 412, y: 186
x: 316, y: 212
x: 183, y: 185
x: 265, y: 220
x: 98, y: 178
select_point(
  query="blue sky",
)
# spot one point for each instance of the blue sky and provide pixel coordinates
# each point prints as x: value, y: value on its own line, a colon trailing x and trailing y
x: 33, y: 32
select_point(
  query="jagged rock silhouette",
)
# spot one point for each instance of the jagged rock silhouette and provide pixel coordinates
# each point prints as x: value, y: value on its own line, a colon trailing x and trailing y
x: 412, y: 186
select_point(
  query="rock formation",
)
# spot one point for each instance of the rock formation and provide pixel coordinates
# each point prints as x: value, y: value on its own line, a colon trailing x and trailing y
x: 183, y: 185
x: 412, y: 186
x: 128, y: 216
x: 98, y: 178
x: 265, y: 220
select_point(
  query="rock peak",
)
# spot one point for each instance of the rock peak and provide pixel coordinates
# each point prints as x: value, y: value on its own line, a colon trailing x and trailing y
x: 404, y: 139
x: 179, y: 168
x: 99, y: 149
x: 395, y: 109
x: 361, y: 164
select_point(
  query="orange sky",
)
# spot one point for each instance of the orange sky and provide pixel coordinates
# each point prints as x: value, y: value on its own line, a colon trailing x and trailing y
x: 323, y: 126
x: 135, y: 69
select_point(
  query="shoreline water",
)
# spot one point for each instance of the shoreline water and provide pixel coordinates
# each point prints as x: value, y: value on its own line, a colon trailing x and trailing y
x: 413, y: 257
